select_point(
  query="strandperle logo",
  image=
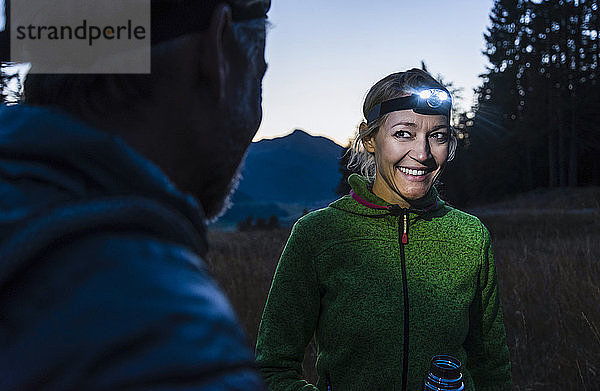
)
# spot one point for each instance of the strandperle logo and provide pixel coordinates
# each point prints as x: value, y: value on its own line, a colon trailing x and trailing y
x: 81, y: 36
x: 89, y: 33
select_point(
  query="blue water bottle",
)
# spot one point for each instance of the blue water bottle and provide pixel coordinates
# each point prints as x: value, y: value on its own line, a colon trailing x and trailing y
x: 444, y: 374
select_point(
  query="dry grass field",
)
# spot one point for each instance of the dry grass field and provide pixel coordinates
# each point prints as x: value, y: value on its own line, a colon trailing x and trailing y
x: 549, y: 280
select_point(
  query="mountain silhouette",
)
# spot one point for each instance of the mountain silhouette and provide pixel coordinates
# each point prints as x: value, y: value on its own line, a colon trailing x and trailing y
x: 283, y: 176
x: 295, y: 168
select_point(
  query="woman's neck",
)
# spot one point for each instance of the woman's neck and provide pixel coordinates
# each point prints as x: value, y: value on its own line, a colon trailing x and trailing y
x: 384, y: 192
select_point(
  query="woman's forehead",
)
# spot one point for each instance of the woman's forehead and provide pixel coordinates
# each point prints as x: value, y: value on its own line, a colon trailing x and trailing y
x: 411, y: 119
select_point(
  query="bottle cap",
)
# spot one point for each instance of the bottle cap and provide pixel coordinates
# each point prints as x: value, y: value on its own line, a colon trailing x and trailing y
x: 445, y: 367
x: 444, y: 374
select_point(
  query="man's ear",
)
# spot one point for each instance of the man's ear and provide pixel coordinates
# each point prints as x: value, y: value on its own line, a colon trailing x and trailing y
x: 369, y: 144
x: 215, y: 59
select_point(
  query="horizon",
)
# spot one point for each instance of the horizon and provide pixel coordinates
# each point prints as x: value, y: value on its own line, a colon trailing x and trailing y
x: 300, y: 130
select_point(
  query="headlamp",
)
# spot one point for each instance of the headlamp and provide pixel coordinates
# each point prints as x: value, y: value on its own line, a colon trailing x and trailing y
x: 431, y: 101
x: 434, y: 97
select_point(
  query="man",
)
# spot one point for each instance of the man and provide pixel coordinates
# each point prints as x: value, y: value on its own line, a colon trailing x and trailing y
x: 106, y: 183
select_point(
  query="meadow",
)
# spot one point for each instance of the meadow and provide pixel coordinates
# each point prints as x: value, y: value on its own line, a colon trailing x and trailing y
x: 549, y: 280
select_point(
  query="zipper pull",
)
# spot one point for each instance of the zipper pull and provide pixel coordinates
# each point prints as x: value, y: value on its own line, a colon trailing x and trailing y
x: 328, y: 381
x: 405, y: 228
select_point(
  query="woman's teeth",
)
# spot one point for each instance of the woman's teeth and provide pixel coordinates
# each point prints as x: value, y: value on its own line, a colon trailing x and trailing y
x: 412, y: 172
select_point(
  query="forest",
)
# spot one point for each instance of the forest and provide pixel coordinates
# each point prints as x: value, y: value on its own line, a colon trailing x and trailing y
x: 536, y: 123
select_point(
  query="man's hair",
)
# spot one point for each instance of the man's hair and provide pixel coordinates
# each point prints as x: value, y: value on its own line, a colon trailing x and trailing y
x: 393, y: 86
x: 100, y: 92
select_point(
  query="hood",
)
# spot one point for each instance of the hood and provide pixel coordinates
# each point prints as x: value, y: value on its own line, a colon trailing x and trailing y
x: 363, y: 201
x: 48, y: 159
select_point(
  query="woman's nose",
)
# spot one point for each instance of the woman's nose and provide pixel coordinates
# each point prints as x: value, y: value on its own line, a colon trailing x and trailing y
x: 421, y: 150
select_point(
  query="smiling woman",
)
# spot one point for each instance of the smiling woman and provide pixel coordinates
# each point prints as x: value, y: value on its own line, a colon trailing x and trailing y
x: 389, y: 275
x: 411, y: 151
x: 413, y: 133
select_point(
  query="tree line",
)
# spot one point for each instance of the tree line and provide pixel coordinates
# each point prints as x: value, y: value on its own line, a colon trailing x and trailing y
x: 261, y: 224
x: 536, y: 123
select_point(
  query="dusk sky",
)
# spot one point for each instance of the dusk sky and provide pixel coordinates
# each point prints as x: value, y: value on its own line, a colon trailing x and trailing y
x: 323, y: 56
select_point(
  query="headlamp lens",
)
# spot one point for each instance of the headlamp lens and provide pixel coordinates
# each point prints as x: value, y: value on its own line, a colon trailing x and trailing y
x: 434, y: 97
x: 425, y: 94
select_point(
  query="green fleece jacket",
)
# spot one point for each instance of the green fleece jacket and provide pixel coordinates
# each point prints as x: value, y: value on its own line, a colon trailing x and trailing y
x: 340, y: 279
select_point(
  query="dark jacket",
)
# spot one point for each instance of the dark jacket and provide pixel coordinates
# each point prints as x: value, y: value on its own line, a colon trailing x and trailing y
x: 102, y: 282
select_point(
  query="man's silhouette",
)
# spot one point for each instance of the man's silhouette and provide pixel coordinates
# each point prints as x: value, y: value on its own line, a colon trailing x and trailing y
x: 106, y: 184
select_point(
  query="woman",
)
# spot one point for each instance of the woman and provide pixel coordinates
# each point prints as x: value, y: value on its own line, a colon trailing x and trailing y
x: 389, y: 275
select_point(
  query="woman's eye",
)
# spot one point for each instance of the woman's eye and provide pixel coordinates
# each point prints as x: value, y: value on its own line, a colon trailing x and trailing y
x: 402, y: 134
x: 440, y: 136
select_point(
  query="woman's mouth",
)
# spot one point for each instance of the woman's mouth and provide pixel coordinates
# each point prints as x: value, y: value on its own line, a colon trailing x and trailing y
x: 414, y: 174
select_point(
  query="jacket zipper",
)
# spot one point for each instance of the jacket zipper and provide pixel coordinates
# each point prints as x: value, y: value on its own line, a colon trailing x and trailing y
x: 403, y: 240
x: 405, y: 230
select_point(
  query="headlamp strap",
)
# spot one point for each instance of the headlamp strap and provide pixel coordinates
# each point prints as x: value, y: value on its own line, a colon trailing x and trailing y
x: 397, y: 104
x: 430, y: 105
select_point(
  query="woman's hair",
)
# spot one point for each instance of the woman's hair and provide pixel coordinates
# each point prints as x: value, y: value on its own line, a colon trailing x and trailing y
x: 392, y: 86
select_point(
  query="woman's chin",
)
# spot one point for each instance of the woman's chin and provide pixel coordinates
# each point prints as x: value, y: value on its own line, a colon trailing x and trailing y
x: 415, y: 191
x: 413, y: 187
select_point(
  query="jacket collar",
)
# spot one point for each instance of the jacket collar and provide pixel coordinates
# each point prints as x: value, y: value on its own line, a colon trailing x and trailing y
x: 362, y: 200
